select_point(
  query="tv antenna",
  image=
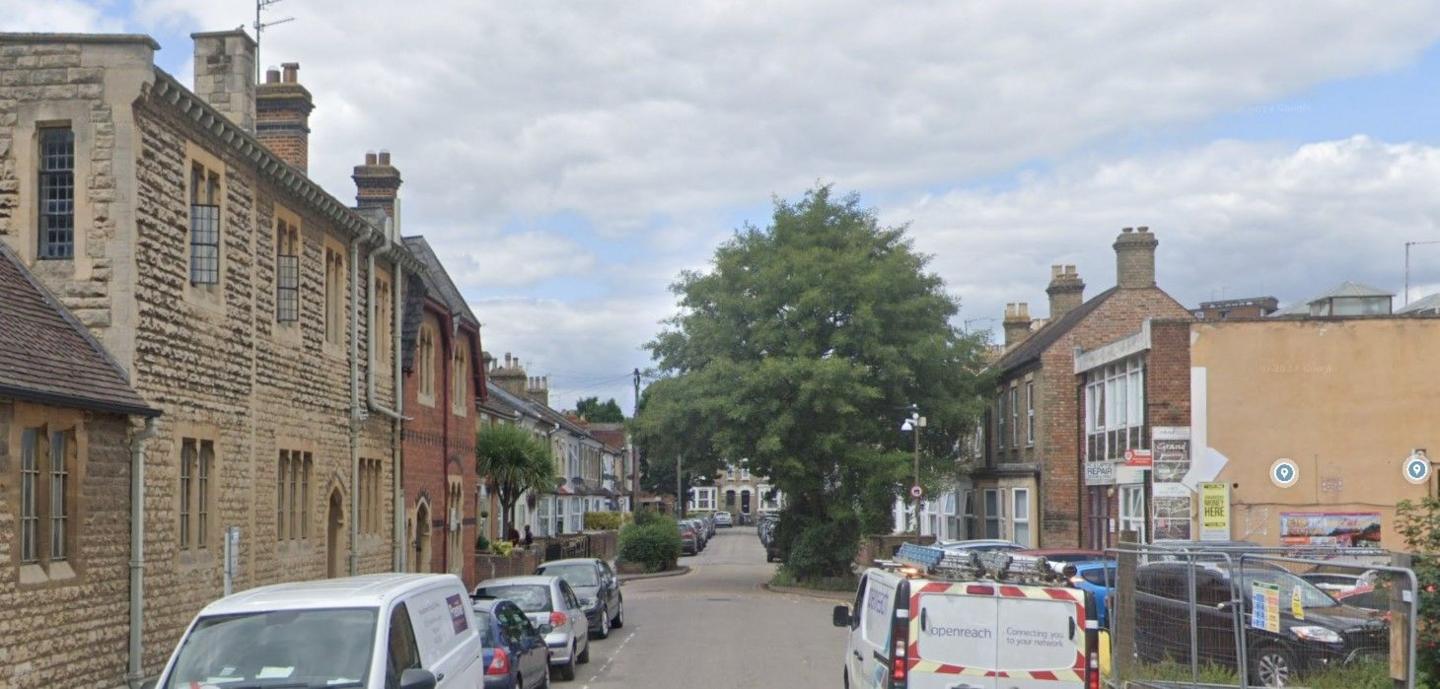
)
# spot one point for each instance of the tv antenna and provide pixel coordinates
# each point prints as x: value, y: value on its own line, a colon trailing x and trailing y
x: 260, y: 25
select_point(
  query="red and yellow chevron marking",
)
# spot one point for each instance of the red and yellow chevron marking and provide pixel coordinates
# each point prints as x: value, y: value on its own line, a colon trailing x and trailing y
x: 1076, y: 673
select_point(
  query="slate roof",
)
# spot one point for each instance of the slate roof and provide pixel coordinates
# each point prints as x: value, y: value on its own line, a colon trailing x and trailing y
x: 437, y: 279
x: 1031, y: 349
x: 48, y: 357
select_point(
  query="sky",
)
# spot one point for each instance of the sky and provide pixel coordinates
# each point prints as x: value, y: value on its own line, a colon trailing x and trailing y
x: 568, y: 159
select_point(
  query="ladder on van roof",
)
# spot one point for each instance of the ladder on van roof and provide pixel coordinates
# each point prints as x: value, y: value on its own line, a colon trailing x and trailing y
x: 940, y: 563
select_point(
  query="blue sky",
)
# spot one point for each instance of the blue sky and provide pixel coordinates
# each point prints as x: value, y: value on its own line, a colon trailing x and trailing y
x: 568, y: 160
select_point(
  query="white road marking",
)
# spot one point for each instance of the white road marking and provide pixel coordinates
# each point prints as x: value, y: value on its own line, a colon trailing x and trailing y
x: 610, y: 660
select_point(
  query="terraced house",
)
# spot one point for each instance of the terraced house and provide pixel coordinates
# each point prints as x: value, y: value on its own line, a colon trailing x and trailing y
x: 256, y: 312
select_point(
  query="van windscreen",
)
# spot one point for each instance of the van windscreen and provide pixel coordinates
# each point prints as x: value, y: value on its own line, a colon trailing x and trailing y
x: 313, y: 647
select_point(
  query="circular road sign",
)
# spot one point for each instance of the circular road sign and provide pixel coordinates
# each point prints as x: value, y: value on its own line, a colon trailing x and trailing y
x: 916, y: 491
x: 1417, y: 468
x: 1284, y: 473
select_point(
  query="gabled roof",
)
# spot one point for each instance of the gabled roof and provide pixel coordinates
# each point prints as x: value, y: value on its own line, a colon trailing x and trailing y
x: 1035, y: 345
x: 1428, y: 304
x: 437, y: 279
x: 1352, y: 289
x: 47, y: 356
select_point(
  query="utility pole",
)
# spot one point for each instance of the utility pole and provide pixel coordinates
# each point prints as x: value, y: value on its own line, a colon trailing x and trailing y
x: 679, y: 490
x: 636, y: 412
x: 1407, y: 264
x: 260, y: 26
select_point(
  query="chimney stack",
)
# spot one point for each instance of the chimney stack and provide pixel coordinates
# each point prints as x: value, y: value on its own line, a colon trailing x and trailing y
x: 1066, y: 290
x: 377, y: 183
x: 1016, y: 323
x: 511, y: 377
x: 282, y: 115
x: 225, y: 74
x: 538, y: 390
x: 1135, y: 258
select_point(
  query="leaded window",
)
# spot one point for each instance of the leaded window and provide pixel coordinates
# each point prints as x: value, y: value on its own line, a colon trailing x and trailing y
x: 204, y: 226
x: 57, y: 193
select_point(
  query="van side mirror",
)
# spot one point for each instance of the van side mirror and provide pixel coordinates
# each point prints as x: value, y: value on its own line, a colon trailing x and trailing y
x: 840, y: 616
x: 417, y: 678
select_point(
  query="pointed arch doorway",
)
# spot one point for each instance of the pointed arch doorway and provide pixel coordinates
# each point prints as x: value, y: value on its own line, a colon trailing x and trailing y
x: 334, y: 535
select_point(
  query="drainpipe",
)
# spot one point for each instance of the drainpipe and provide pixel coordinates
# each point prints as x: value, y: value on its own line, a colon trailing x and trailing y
x: 356, y: 412
x: 398, y: 498
x: 137, y: 550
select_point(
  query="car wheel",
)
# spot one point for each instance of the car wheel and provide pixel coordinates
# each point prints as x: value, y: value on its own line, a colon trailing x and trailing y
x: 604, y: 632
x: 1272, y: 666
x: 567, y: 671
x: 585, y: 654
x: 619, y: 620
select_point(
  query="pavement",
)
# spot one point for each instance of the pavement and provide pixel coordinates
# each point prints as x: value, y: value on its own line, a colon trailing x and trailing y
x: 718, y: 628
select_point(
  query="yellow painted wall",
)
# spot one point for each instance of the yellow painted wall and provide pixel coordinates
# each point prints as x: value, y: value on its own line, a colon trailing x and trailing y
x: 1346, y: 400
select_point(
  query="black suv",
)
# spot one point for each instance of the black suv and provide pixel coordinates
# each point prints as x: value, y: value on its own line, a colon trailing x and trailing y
x: 1329, y: 634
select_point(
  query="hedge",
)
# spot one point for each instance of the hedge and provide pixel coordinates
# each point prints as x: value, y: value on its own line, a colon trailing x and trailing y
x: 602, y: 521
x: 654, y: 545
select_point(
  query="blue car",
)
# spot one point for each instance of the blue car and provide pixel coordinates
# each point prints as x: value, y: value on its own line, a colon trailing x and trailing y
x: 516, y: 656
x: 1096, y: 577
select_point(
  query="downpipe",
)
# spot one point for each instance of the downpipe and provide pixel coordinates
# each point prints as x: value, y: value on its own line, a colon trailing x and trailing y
x: 357, y: 414
x: 136, y: 673
x: 372, y: 400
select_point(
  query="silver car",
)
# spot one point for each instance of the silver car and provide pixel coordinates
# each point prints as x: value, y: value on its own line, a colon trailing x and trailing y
x: 553, y: 607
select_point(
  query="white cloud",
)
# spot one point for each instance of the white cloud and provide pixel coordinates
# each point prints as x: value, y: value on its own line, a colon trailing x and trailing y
x: 1233, y: 219
x: 511, y: 260
x: 71, y: 16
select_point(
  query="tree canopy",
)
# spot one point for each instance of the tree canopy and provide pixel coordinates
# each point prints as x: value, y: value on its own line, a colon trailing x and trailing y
x: 802, y: 349
x: 514, y: 461
x: 592, y: 409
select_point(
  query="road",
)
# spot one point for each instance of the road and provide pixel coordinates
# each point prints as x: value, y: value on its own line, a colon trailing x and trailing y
x: 717, y: 628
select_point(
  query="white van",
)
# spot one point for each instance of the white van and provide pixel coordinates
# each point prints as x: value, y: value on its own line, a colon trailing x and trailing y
x: 395, y: 631
x: 915, y: 626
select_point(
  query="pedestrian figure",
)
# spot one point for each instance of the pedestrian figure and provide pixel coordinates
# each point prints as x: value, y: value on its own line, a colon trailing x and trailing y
x: 529, y: 537
x: 514, y: 536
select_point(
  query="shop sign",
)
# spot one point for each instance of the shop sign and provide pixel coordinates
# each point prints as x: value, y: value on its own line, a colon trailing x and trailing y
x: 1214, y: 511
x: 1138, y: 458
x: 1099, y: 473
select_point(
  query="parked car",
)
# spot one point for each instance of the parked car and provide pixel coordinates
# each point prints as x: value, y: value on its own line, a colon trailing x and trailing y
x: 1097, y: 577
x: 723, y: 520
x: 701, y: 535
x: 598, y: 587
x: 1328, y: 634
x: 1059, y: 558
x: 984, y: 545
x: 515, y: 653
x: 548, y: 601
x: 1338, y: 580
x: 371, y: 632
x: 689, y: 539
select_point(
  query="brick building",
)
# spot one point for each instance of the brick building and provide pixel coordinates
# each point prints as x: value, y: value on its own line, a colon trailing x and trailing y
x: 1252, y: 307
x: 68, y: 424
x: 1030, y: 486
x: 444, y: 379
x: 180, y: 227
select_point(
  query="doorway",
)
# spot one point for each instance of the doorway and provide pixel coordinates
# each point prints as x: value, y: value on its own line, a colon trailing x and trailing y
x: 421, y: 545
x: 334, y: 532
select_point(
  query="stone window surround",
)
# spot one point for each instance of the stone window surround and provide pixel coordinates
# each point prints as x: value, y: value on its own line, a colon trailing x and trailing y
x: 320, y: 489
x: 336, y: 337
x: 425, y: 355
x: 210, y: 297
x: 459, y: 370
x: 382, y: 319
x: 25, y: 149
x: 195, y: 557
x: 289, y: 332
x: 72, y: 569
x: 455, y: 524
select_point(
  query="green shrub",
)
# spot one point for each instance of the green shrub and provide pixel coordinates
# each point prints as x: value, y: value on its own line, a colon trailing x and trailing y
x: 602, y: 521
x: 647, y: 517
x: 503, y: 548
x: 654, y: 545
x: 824, y: 550
x: 482, y: 544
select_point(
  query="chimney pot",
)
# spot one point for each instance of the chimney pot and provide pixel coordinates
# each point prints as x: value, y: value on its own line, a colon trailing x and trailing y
x: 370, y: 158
x: 291, y: 71
x: 384, y: 157
x: 1127, y: 230
x: 1143, y: 228
x: 272, y: 76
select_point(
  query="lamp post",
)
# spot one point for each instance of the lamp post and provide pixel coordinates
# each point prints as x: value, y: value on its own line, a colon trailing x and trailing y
x: 914, y: 423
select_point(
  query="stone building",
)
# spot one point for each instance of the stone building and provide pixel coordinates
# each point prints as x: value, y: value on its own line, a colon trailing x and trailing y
x: 1030, y: 487
x: 737, y: 490
x: 180, y: 227
x: 68, y: 429
x: 444, y: 379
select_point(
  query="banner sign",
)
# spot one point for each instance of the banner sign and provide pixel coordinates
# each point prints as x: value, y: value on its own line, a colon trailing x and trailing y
x: 1330, y: 528
x: 1214, y: 511
x: 1172, y: 501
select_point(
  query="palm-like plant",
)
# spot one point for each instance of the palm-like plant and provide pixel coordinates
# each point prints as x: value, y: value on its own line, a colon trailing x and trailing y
x: 514, y: 461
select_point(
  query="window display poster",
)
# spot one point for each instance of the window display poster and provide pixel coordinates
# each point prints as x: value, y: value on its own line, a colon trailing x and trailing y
x: 1361, y: 529
x: 1172, y: 503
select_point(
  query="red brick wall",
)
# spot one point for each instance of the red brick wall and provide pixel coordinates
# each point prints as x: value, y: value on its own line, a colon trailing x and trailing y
x: 1058, y: 438
x: 1167, y: 374
x: 439, y: 445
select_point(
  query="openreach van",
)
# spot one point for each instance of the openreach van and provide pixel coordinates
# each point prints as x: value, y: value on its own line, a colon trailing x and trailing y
x: 934, y: 619
x: 389, y: 631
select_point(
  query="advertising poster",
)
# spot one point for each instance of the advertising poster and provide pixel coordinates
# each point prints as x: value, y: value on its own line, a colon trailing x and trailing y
x: 1360, y: 529
x: 1173, y: 503
x: 1214, y: 511
x: 1265, y: 606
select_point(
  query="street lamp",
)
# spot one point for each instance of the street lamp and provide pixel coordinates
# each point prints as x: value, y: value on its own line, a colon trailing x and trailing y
x: 914, y: 423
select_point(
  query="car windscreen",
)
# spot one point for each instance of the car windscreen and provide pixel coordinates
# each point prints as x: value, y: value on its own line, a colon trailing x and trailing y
x: 580, y: 574
x: 1310, y: 595
x: 313, y: 647
x: 487, y: 627
x: 530, y: 597
x: 1097, y: 576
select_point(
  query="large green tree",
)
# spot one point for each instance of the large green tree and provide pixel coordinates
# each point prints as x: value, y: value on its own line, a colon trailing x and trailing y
x: 802, y: 349
x: 514, y: 461
x: 592, y: 409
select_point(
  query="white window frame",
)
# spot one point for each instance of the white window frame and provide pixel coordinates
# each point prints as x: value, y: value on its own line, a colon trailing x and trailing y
x: 558, y: 516
x: 998, y: 516
x: 577, y: 514
x: 1129, y: 520
x: 1030, y: 413
x: 1019, y: 519
x: 1114, y: 403
x: 1014, y: 415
